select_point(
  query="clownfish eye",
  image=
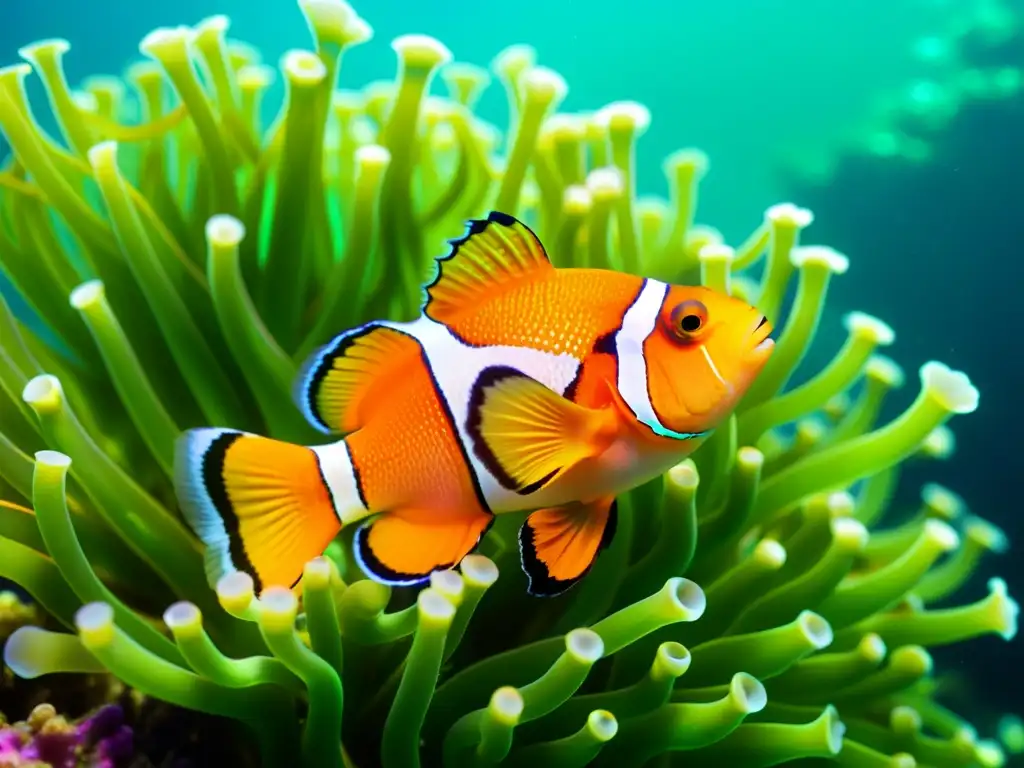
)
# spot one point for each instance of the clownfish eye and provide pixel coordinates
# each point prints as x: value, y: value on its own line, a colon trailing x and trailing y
x: 688, y: 319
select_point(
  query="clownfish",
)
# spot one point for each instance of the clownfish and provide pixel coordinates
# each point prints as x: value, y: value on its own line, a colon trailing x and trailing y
x: 520, y: 387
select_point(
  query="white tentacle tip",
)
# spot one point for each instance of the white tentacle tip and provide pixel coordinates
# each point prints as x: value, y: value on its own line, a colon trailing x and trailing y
x: 624, y: 115
x: 789, y: 215
x: 544, y: 84
x: 869, y: 327
x: 421, y: 50
x: 224, y: 229
x: 819, y: 255
x: 952, y: 389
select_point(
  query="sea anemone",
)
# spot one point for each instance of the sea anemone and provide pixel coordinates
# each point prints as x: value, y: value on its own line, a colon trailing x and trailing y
x: 175, y: 260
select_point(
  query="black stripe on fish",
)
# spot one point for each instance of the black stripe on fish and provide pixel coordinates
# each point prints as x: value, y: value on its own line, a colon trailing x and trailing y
x: 487, y: 378
x: 213, y: 480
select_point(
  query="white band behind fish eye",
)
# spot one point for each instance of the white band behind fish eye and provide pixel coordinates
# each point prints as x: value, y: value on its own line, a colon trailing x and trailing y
x: 637, y: 324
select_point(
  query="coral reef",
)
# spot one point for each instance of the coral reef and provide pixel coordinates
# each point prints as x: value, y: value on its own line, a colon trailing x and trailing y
x: 761, y: 604
x: 48, y: 739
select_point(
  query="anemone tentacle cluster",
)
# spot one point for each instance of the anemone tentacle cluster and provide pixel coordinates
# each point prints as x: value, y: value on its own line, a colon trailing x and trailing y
x: 176, y: 260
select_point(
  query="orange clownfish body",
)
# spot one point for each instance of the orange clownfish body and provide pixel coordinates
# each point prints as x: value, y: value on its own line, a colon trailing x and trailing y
x: 520, y: 387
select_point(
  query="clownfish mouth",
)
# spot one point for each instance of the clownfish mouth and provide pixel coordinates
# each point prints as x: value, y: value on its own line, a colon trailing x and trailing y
x: 761, y: 334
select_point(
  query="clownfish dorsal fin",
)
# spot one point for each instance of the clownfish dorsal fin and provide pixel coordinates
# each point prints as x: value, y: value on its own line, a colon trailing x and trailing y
x: 343, y: 381
x: 493, y: 253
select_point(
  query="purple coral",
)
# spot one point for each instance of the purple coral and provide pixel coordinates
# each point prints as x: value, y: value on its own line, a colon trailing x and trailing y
x: 101, y: 740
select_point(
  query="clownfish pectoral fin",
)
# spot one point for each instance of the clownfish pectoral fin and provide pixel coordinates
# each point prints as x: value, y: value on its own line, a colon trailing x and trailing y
x: 493, y: 253
x: 528, y: 435
x: 404, y: 547
x: 559, y: 545
x: 341, y: 383
x: 258, y: 505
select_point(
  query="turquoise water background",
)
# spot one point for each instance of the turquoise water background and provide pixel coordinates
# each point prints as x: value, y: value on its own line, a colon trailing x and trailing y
x: 748, y: 81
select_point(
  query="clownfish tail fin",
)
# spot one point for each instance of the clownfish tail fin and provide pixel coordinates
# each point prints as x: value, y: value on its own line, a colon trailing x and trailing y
x: 260, y: 505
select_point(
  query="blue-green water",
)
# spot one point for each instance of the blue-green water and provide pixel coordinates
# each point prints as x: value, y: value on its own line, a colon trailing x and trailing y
x: 750, y: 82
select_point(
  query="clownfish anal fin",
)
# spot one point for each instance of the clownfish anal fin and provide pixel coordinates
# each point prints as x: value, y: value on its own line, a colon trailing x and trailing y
x: 528, y: 435
x: 494, y: 252
x: 559, y: 545
x: 258, y: 505
x: 405, y: 546
x: 343, y: 381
